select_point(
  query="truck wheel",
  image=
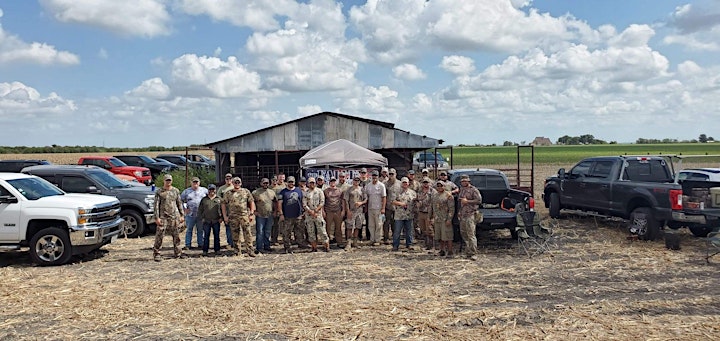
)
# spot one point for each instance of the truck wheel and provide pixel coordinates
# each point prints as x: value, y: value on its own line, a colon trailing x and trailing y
x: 643, y: 224
x: 700, y: 231
x: 134, y: 223
x: 554, y: 205
x: 50, y: 246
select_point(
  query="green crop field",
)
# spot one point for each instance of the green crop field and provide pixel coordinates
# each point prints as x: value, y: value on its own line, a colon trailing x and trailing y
x: 571, y: 154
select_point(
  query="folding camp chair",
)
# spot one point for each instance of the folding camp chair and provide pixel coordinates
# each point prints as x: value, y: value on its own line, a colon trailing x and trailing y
x: 713, y: 245
x: 534, y: 237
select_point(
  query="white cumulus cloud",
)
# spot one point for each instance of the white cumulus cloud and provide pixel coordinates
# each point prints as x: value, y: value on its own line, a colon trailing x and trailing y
x: 15, y: 50
x: 408, y: 72
x: 202, y: 76
x: 458, y: 65
x: 144, y: 18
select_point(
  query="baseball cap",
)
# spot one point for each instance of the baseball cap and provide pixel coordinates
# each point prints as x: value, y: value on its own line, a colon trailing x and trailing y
x: 265, y: 181
x: 363, y: 170
x: 310, y: 180
x: 195, y: 179
x: 392, y: 171
x: 405, y: 180
x: 357, y: 178
x: 167, y: 177
x: 411, y: 172
x: 333, y: 179
x: 384, y: 169
x: 291, y: 179
x: 425, y: 170
x: 211, y: 186
x: 320, y: 177
x: 375, y: 172
x: 443, y: 173
x: 439, y: 183
x: 228, y: 175
x: 464, y: 177
x: 236, y: 179
x: 302, y: 179
x: 426, y: 179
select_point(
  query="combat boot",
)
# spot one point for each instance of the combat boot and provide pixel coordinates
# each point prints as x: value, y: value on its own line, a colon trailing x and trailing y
x: 313, y: 245
x: 348, y: 246
x: 327, y: 247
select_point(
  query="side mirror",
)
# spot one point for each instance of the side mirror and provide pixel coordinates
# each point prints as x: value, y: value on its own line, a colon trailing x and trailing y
x: 561, y: 173
x: 8, y: 199
x: 92, y: 190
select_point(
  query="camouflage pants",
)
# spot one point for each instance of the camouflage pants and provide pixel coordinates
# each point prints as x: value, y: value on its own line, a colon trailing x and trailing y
x: 288, y: 226
x: 423, y: 223
x: 467, y: 231
x: 316, y: 230
x: 356, y: 221
x: 241, y: 225
x: 171, y: 226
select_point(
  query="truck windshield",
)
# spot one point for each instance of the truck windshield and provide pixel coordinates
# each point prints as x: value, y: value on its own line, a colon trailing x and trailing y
x: 35, y: 188
x: 146, y: 159
x: 117, y: 163
x: 107, y: 179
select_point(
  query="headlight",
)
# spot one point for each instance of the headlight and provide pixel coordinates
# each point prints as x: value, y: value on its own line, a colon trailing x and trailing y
x: 137, y: 174
x: 150, y: 201
x: 83, y: 214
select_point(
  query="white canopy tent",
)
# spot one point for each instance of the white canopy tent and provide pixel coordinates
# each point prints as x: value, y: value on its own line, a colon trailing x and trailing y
x: 341, y: 154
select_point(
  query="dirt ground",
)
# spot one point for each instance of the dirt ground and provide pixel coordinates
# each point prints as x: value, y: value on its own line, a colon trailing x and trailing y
x: 594, y: 284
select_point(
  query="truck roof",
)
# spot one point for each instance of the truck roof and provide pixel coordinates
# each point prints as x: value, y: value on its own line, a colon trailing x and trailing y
x: 13, y: 176
x: 61, y: 167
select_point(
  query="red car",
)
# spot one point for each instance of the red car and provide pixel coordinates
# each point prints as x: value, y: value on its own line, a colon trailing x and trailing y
x: 116, y: 166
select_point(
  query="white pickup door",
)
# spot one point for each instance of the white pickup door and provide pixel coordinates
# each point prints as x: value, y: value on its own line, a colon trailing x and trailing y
x: 9, y: 216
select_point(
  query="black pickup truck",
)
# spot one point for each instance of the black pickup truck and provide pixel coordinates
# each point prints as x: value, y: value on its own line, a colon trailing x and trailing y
x: 500, y: 202
x: 638, y: 188
x: 136, y: 203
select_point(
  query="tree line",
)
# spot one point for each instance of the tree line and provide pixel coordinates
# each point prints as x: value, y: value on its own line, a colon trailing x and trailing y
x: 88, y: 149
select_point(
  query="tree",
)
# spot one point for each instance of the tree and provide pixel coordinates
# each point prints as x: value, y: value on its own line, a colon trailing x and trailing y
x: 703, y: 138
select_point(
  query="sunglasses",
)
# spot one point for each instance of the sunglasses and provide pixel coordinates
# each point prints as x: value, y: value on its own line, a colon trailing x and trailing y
x: 168, y: 179
x: 265, y: 183
x: 237, y: 182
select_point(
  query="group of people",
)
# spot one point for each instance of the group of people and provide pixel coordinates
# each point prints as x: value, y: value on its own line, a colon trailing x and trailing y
x: 309, y: 212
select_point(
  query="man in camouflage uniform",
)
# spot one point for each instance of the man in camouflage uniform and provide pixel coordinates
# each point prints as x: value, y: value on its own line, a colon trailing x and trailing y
x: 168, y: 217
x: 450, y: 186
x: 392, y: 186
x: 238, y: 208
x: 441, y: 214
x: 313, y: 203
x: 228, y: 186
x: 423, y: 201
x: 403, y: 203
x: 353, y: 201
x: 277, y: 187
x: 469, y: 199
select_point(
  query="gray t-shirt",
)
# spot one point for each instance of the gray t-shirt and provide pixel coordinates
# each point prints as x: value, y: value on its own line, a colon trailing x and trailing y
x: 375, y: 193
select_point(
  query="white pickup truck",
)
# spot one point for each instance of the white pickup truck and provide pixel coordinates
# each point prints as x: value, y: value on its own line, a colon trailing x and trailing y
x: 53, y: 224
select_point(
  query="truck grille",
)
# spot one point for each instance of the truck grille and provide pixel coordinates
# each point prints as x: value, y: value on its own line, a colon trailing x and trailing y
x: 104, y: 213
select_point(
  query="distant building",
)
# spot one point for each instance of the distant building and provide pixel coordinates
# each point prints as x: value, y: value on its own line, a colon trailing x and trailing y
x: 541, y: 141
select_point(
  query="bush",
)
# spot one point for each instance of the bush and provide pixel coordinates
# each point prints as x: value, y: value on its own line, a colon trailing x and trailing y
x: 207, y: 176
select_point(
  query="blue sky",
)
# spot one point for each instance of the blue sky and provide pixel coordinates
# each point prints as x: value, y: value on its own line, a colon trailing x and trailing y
x: 179, y: 72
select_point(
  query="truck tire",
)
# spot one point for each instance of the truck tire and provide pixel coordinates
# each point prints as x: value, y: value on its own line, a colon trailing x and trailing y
x: 554, y: 205
x: 50, y: 246
x: 700, y: 231
x: 642, y: 222
x: 134, y: 223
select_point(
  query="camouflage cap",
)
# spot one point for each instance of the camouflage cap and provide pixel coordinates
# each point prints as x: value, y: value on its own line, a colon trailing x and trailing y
x: 167, y: 177
x: 405, y: 180
x: 237, y: 178
x: 426, y: 179
x: 310, y: 180
x: 291, y: 179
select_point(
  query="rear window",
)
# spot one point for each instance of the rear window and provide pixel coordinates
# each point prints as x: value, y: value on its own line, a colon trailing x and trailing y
x: 648, y: 170
x: 486, y: 182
